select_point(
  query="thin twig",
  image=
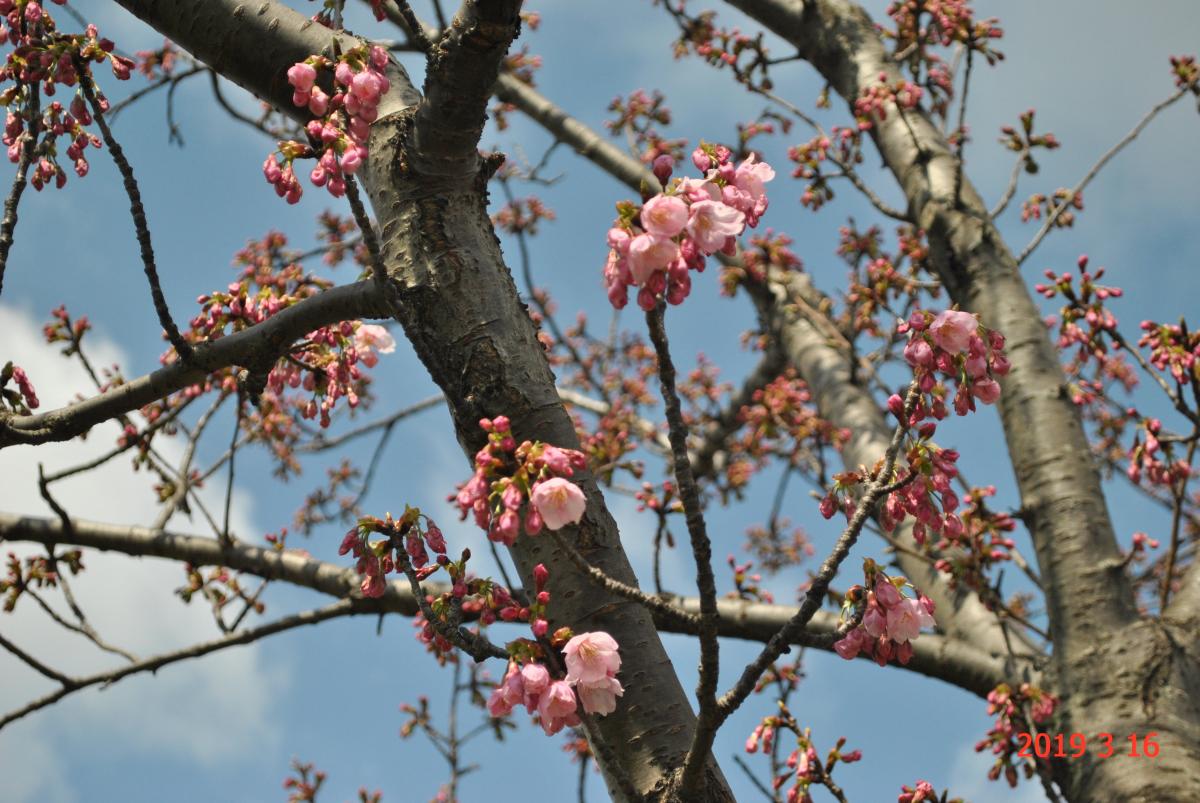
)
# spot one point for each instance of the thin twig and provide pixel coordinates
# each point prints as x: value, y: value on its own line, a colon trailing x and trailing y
x: 1052, y: 218
x: 138, y: 211
x: 707, y: 721
x: 237, y: 425
x: 1011, y: 189
x: 8, y: 225
x: 368, y: 233
x: 321, y: 444
x: 345, y: 607
x: 659, y: 605
x: 820, y: 584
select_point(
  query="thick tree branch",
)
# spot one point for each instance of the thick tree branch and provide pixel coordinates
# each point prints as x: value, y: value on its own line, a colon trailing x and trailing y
x: 583, y: 140
x: 947, y: 659
x: 1111, y: 662
x: 256, y: 345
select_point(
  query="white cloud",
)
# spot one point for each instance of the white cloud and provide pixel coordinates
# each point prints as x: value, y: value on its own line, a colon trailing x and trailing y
x: 207, y: 710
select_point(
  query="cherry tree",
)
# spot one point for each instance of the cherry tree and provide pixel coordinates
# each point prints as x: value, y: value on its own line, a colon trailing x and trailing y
x: 1086, y: 661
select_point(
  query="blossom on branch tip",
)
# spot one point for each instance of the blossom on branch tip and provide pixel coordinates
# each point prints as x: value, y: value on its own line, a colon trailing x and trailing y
x: 559, y: 502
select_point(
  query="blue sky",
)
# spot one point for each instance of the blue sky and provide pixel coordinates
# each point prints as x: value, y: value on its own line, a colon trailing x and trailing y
x: 226, y: 727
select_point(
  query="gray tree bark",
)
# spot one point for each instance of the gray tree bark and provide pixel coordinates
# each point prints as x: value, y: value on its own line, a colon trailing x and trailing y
x: 459, y: 307
x: 1115, y: 671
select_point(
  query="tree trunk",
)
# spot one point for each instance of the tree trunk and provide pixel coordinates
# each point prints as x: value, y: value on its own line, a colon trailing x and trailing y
x: 1116, y: 673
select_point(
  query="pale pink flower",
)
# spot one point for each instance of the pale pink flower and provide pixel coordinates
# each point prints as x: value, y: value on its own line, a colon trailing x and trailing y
x: 301, y: 76
x: 751, y: 175
x: 918, y: 353
x: 887, y: 595
x: 591, y: 657
x: 557, y: 707
x: 559, y: 502
x: 618, y: 240
x: 649, y: 253
x: 952, y: 330
x: 852, y: 644
x: 371, y: 336
x: 904, y: 622
x: 712, y: 223
x: 497, y: 705
x: 874, y: 621
x: 986, y: 390
x: 697, y: 189
x: 509, y: 693
x: 600, y: 697
x: 535, y: 679
x: 664, y: 215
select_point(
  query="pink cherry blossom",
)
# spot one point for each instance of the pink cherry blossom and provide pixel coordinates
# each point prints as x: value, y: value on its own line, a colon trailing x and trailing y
x: 559, y: 502
x: 986, y: 390
x: 557, y: 707
x: 952, y: 330
x: 904, y: 622
x: 751, y: 175
x: 649, y: 253
x: 711, y: 223
x: 535, y: 679
x: 591, y: 657
x: 301, y: 76
x: 600, y: 697
x: 664, y: 215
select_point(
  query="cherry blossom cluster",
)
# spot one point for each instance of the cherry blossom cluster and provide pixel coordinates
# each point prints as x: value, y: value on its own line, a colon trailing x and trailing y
x: 1084, y: 319
x: 922, y: 490
x: 780, y: 421
x: 879, y: 279
x: 522, y: 215
x: 326, y: 366
x: 654, y: 247
x: 747, y: 584
x: 890, y: 621
x: 982, y: 539
x: 38, y: 571
x: 842, y: 146
x: 803, y: 767
x: 151, y: 63
x: 23, y: 397
x: 768, y: 122
x: 778, y: 544
x: 376, y: 559
x: 482, y: 598
x: 342, y: 121
x: 873, y: 100
x: 325, y: 370
x: 637, y: 116
x: 1025, y: 141
x: 923, y: 792
x: 218, y: 587
x: 1016, y: 711
x: 592, y: 662
x: 746, y: 56
x: 1174, y: 349
x: 953, y: 344
x: 336, y: 232
x: 1152, y: 459
x: 1039, y: 203
x: 767, y: 250
x: 949, y: 22
x: 609, y: 441
x: 63, y: 330
x: 508, y: 475
x: 42, y: 55
x: 1186, y: 72
x: 305, y: 782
